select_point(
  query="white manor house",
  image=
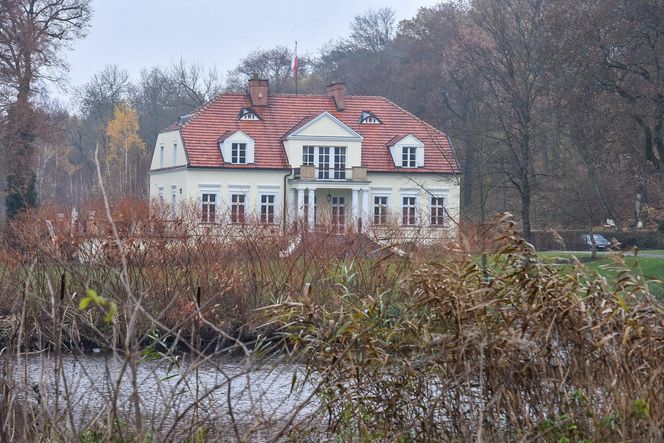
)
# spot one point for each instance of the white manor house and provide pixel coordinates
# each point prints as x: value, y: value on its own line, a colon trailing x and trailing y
x: 357, y: 162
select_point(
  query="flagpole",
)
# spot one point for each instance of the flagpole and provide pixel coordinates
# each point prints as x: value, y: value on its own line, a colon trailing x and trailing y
x: 296, y: 63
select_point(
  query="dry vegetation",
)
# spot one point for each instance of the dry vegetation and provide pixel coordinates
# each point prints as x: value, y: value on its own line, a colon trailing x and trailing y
x: 429, y: 346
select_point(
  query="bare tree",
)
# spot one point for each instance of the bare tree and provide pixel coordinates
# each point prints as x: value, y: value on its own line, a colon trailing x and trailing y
x: 197, y: 85
x: 502, y: 45
x: 374, y: 29
x: 274, y: 65
x: 32, y: 36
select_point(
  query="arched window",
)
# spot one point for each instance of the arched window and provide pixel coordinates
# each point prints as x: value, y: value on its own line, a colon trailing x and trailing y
x: 369, y: 118
x: 248, y: 114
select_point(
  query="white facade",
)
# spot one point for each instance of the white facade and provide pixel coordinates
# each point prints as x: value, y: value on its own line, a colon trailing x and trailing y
x: 325, y: 158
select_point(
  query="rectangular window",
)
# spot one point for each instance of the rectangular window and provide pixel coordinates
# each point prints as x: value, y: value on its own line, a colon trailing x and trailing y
x: 340, y: 163
x: 437, y: 211
x: 239, y: 153
x: 338, y: 212
x: 175, y: 154
x: 267, y: 208
x: 208, y: 207
x: 161, y: 157
x: 380, y: 210
x: 409, y: 157
x: 238, y: 208
x: 308, y: 155
x: 408, y: 210
x: 323, y: 162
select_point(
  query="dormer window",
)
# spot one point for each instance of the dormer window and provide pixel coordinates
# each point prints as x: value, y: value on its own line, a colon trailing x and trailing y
x: 407, y: 152
x: 369, y: 118
x: 248, y: 114
x: 409, y: 157
x: 239, y: 153
x: 237, y: 148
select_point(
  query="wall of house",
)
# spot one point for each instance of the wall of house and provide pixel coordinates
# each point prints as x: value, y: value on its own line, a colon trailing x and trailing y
x: 168, y: 140
x: 191, y: 183
x: 165, y: 182
x: 324, y: 132
x: 394, y: 185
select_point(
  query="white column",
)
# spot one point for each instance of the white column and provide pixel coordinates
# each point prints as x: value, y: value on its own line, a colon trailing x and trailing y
x: 310, y: 211
x: 355, y: 208
x: 300, y: 205
x: 292, y: 206
x: 366, y: 211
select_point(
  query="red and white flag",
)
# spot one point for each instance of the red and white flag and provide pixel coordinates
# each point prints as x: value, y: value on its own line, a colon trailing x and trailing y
x: 294, y: 64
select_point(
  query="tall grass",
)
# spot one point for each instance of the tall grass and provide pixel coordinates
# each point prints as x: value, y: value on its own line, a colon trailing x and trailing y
x: 518, y: 351
x: 142, y: 286
x: 374, y: 344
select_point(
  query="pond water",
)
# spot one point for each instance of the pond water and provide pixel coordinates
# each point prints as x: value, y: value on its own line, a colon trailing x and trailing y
x: 167, y: 393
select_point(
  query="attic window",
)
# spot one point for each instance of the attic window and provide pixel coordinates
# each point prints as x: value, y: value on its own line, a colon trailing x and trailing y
x: 248, y: 114
x: 369, y: 118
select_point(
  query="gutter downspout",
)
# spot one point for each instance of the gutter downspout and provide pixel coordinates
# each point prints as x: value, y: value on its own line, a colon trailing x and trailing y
x: 284, y: 203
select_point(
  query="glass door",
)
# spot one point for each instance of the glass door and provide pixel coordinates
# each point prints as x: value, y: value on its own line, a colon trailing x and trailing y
x: 338, y: 212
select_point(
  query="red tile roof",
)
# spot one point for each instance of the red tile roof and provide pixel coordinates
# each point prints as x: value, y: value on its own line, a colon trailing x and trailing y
x: 286, y: 112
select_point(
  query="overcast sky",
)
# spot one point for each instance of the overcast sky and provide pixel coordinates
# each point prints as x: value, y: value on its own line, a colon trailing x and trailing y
x: 139, y: 33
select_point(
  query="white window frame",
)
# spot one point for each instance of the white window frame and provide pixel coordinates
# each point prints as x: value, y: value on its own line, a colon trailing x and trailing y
x: 213, y: 190
x: 387, y: 194
x: 175, y: 154
x: 408, y: 141
x: 238, y: 190
x: 346, y: 215
x: 308, y: 153
x: 226, y: 147
x: 276, y: 192
x: 440, y: 211
x: 161, y: 157
x: 409, y: 156
x: 249, y: 116
x: 262, y: 204
x: 369, y: 118
x: 331, y: 172
x: 416, y: 196
x: 438, y: 193
x: 237, y: 153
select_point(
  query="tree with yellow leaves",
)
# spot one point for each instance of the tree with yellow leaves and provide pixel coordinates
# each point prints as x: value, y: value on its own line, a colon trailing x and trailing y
x: 126, y: 152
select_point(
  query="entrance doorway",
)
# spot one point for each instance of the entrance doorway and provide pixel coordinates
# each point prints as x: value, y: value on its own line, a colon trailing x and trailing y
x: 339, y: 213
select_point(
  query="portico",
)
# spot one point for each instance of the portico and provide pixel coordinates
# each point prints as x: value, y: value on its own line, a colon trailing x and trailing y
x: 344, y: 205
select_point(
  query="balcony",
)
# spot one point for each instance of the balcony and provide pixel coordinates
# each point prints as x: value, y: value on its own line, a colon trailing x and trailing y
x: 309, y: 172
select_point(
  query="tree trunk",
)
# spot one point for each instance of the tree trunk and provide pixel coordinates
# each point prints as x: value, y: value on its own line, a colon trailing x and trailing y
x: 525, y: 209
x: 468, y: 176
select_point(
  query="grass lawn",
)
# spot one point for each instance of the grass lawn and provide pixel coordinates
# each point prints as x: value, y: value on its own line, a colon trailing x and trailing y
x: 651, y: 268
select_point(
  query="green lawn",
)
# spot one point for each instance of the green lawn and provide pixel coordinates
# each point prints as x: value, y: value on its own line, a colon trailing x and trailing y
x: 651, y: 268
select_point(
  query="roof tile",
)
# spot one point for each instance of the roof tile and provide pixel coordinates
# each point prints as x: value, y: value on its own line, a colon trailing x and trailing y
x: 287, y: 112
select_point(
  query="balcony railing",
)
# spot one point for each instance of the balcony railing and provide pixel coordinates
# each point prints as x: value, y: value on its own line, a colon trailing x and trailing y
x: 308, y: 172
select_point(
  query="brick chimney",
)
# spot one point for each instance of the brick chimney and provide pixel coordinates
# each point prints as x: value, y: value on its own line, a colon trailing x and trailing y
x: 338, y: 92
x: 258, y: 91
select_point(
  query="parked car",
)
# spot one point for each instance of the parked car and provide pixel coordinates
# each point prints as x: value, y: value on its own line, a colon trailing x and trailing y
x: 601, y: 243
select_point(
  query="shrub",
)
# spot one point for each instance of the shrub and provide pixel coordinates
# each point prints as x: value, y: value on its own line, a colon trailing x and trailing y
x: 521, y: 351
